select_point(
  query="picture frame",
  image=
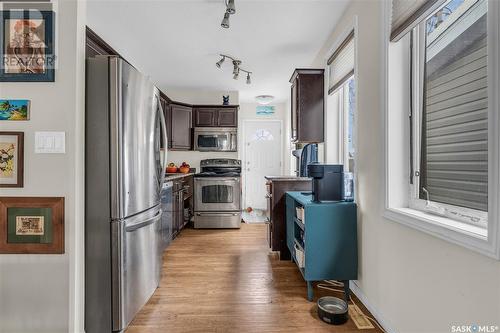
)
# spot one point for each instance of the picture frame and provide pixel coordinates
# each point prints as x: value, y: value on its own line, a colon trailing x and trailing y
x: 11, y: 159
x: 15, y: 109
x: 32, y: 225
x: 27, y: 46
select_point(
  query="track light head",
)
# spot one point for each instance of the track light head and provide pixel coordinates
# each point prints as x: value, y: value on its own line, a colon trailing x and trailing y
x: 236, y: 67
x: 225, y: 20
x: 248, y: 78
x: 230, y: 8
x: 220, y: 62
x: 235, y: 76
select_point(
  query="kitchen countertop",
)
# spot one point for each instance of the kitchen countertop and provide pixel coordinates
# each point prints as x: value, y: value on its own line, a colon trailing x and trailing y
x: 286, y: 178
x: 173, y: 176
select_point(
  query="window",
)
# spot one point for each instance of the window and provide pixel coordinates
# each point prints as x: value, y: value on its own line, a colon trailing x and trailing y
x: 442, y: 162
x: 262, y: 135
x: 450, y: 118
x: 341, y: 102
x: 341, y: 105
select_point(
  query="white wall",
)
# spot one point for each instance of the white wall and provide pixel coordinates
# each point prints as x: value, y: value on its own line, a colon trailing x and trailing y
x: 195, y: 96
x: 41, y: 293
x: 415, y: 282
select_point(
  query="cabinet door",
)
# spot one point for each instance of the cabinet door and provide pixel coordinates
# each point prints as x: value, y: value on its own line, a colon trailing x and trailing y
x: 181, y: 126
x: 294, y: 114
x: 205, y: 117
x: 227, y: 118
x: 168, y: 119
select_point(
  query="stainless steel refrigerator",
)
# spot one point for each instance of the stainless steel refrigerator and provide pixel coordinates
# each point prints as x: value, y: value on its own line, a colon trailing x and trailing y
x: 125, y: 126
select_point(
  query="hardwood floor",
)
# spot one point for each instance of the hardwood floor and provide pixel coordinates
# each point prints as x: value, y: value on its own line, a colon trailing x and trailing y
x: 227, y: 281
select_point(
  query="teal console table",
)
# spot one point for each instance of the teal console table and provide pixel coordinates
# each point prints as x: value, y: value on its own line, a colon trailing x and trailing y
x: 327, y: 240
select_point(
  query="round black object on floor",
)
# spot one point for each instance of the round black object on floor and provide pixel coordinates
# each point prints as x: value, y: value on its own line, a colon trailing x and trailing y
x: 332, y: 310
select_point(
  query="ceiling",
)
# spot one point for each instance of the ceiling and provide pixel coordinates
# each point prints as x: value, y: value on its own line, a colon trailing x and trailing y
x: 178, y: 43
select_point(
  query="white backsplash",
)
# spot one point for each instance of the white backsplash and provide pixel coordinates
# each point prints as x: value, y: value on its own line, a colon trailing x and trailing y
x: 193, y: 158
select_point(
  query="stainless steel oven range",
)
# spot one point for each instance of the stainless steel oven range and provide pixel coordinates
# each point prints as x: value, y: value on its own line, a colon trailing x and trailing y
x: 217, y: 196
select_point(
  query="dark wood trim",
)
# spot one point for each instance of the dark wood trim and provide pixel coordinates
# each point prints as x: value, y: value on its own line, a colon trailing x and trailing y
x: 399, y: 31
x: 341, y: 47
x: 57, y: 206
x: 341, y: 82
x: 20, y: 159
x: 98, y: 44
x: 299, y: 71
x: 215, y: 106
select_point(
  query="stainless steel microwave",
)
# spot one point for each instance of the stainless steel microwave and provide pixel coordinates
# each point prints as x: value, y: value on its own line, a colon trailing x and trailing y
x: 215, y: 139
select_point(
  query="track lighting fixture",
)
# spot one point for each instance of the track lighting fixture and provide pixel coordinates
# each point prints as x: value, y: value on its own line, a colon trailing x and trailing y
x: 236, y: 67
x: 230, y: 9
x: 220, y: 62
x: 225, y: 21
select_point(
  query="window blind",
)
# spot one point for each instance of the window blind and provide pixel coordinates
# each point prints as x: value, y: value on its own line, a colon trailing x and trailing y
x: 407, y: 14
x: 341, y: 64
x: 456, y: 132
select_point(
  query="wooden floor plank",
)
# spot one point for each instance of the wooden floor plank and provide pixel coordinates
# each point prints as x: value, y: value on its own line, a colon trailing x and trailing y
x: 228, y: 281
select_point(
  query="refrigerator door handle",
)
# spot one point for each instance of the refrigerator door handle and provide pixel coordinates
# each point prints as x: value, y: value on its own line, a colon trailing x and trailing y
x: 149, y: 221
x: 165, y: 140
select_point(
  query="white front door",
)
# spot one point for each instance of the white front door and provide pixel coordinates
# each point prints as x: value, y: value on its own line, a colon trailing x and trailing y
x: 262, y: 156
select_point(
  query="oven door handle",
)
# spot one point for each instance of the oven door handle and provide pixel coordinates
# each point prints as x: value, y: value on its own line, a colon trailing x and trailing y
x: 215, y: 179
x: 217, y: 214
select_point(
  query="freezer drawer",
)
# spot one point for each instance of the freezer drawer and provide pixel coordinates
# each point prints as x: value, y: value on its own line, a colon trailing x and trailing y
x: 137, y: 260
x: 217, y: 220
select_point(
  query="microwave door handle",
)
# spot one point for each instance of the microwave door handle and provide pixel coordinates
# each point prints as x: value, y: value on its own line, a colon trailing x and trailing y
x: 233, y: 142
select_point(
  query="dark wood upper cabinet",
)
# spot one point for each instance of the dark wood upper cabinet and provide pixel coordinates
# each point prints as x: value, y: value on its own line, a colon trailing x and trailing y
x: 308, y: 105
x: 204, y: 117
x: 209, y: 116
x: 227, y: 117
x: 181, y: 124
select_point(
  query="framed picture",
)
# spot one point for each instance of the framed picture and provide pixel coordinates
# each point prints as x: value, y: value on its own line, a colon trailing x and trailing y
x: 14, y: 109
x: 27, y: 46
x: 11, y: 159
x: 32, y: 225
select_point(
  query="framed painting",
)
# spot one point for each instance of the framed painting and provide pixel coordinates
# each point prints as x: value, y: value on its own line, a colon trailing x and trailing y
x: 14, y: 109
x: 27, y: 46
x: 32, y: 225
x: 11, y: 159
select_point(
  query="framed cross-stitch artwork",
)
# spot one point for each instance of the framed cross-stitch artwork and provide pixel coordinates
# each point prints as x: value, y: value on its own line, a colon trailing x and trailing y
x: 11, y: 159
x: 32, y: 225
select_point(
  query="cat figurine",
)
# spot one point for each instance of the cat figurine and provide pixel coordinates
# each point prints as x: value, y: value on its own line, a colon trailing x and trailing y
x: 225, y: 100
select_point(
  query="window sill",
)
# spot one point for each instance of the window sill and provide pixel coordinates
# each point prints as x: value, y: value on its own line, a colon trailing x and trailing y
x: 468, y: 236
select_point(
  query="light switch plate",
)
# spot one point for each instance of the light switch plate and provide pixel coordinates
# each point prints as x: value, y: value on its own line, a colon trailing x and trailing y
x: 50, y: 142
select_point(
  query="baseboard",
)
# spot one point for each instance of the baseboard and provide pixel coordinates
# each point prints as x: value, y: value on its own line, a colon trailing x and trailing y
x: 362, y: 297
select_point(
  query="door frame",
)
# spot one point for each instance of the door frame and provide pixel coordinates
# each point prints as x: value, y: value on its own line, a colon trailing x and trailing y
x: 243, y: 156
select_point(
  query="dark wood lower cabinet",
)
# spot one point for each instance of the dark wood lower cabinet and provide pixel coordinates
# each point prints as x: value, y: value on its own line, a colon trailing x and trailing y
x: 182, y: 202
x: 276, y: 188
